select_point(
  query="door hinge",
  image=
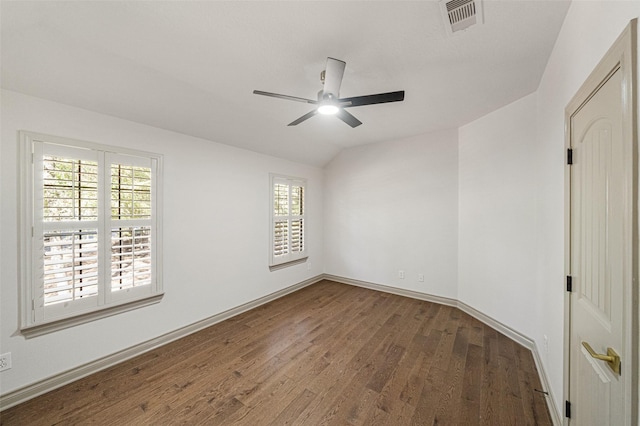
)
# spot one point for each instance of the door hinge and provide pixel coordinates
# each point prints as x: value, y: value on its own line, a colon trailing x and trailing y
x: 569, y: 156
x: 569, y: 283
x: 567, y: 409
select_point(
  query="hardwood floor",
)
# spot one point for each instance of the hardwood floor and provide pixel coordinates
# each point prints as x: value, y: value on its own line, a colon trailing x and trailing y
x: 328, y: 354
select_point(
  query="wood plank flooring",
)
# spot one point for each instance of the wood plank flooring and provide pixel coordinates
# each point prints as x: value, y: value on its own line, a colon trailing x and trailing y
x: 329, y: 354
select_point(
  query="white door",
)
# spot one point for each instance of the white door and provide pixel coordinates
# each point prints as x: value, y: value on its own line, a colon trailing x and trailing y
x: 601, y: 251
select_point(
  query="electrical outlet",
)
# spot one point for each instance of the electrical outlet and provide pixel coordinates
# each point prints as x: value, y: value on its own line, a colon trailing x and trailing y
x: 421, y: 278
x: 5, y: 361
x: 546, y: 343
x: 401, y: 274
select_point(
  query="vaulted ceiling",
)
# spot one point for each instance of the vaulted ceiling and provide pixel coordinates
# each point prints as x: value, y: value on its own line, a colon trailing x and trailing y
x: 191, y: 67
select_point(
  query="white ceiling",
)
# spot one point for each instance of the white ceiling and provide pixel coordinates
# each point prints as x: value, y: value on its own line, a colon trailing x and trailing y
x: 191, y: 66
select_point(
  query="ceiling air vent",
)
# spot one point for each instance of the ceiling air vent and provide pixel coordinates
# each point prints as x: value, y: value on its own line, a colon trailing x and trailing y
x: 461, y: 14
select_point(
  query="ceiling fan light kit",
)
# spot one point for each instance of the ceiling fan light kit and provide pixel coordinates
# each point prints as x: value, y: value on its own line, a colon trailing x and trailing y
x: 328, y: 109
x: 329, y: 101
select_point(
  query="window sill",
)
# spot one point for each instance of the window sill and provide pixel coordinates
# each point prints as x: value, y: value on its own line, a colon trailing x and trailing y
x: 287, y: 264
x: 57, y: 325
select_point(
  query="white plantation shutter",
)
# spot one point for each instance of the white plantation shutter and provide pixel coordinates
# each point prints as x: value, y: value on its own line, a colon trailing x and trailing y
x: 280, y: 238
x: 296, y: 220
x: 297, y: 235
x: 94, y: 238
x: 65, y: 231
x: 131, y: 225
x: 287, y: 219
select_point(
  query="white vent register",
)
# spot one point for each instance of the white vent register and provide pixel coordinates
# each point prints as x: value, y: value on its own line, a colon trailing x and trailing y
x: 459, y: 15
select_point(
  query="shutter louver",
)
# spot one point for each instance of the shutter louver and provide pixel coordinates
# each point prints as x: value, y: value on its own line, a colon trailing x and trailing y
x: 130, y: 192
x: 297, y: 243
x: 281, y: 238
x: 280, y: 200
x: 70, y: 265
x: 297, y: 200
x: 130, y: 257
x: 70, y: 189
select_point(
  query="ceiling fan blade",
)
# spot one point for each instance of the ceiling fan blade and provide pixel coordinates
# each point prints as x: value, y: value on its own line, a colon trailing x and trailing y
x: 333, y: 77
x: 380, y: 98
x: 348, y: 118
x: 304, y: 117
x: 287, y: 97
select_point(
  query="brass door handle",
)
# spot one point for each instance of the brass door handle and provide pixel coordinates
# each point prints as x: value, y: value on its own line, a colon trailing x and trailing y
x: 612, y: 358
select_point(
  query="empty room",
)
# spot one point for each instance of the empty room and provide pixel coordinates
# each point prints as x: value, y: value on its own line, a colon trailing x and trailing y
x: 319, y: 212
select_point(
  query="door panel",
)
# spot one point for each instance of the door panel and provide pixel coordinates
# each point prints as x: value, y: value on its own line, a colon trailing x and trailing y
x: 598, y: 206
x: 595, y: 159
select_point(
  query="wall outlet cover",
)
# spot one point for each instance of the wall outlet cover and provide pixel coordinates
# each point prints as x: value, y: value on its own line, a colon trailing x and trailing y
x: 5, y: 361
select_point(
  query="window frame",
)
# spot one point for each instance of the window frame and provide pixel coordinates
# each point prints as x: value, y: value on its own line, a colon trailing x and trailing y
x: 33, y: 320
x: 276, y: 262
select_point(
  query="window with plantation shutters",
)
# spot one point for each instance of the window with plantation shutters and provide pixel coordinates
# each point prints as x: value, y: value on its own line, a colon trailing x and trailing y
x: 287, y: 220
x: 92, y: 241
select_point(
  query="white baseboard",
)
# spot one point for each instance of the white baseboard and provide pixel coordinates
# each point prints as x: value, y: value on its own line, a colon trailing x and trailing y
x: 556, y: 414
x: 392, y: 290
x: 43, y: 386
x: 31, y: 391
x: 514, y: 335
x: 527, y: 343
x: 497, y: 325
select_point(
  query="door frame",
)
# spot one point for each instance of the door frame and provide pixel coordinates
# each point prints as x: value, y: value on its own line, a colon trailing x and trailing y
x: 623, y: 53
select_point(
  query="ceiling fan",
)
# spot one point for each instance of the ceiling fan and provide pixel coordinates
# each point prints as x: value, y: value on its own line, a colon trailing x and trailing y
x: 329, y: 101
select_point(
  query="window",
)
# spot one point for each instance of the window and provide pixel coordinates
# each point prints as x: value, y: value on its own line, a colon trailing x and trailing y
x: 91, y: 239
x: 288, y: 218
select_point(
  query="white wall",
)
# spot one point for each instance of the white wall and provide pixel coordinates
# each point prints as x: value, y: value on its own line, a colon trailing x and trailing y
x: 497, y: 220
x: 216, y: 219
x: 393, y: 206
x: 590, y: 28
x: 514, y: 157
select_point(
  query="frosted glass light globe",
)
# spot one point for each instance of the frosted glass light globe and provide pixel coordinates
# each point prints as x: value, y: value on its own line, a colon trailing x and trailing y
x: 327, y: 109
